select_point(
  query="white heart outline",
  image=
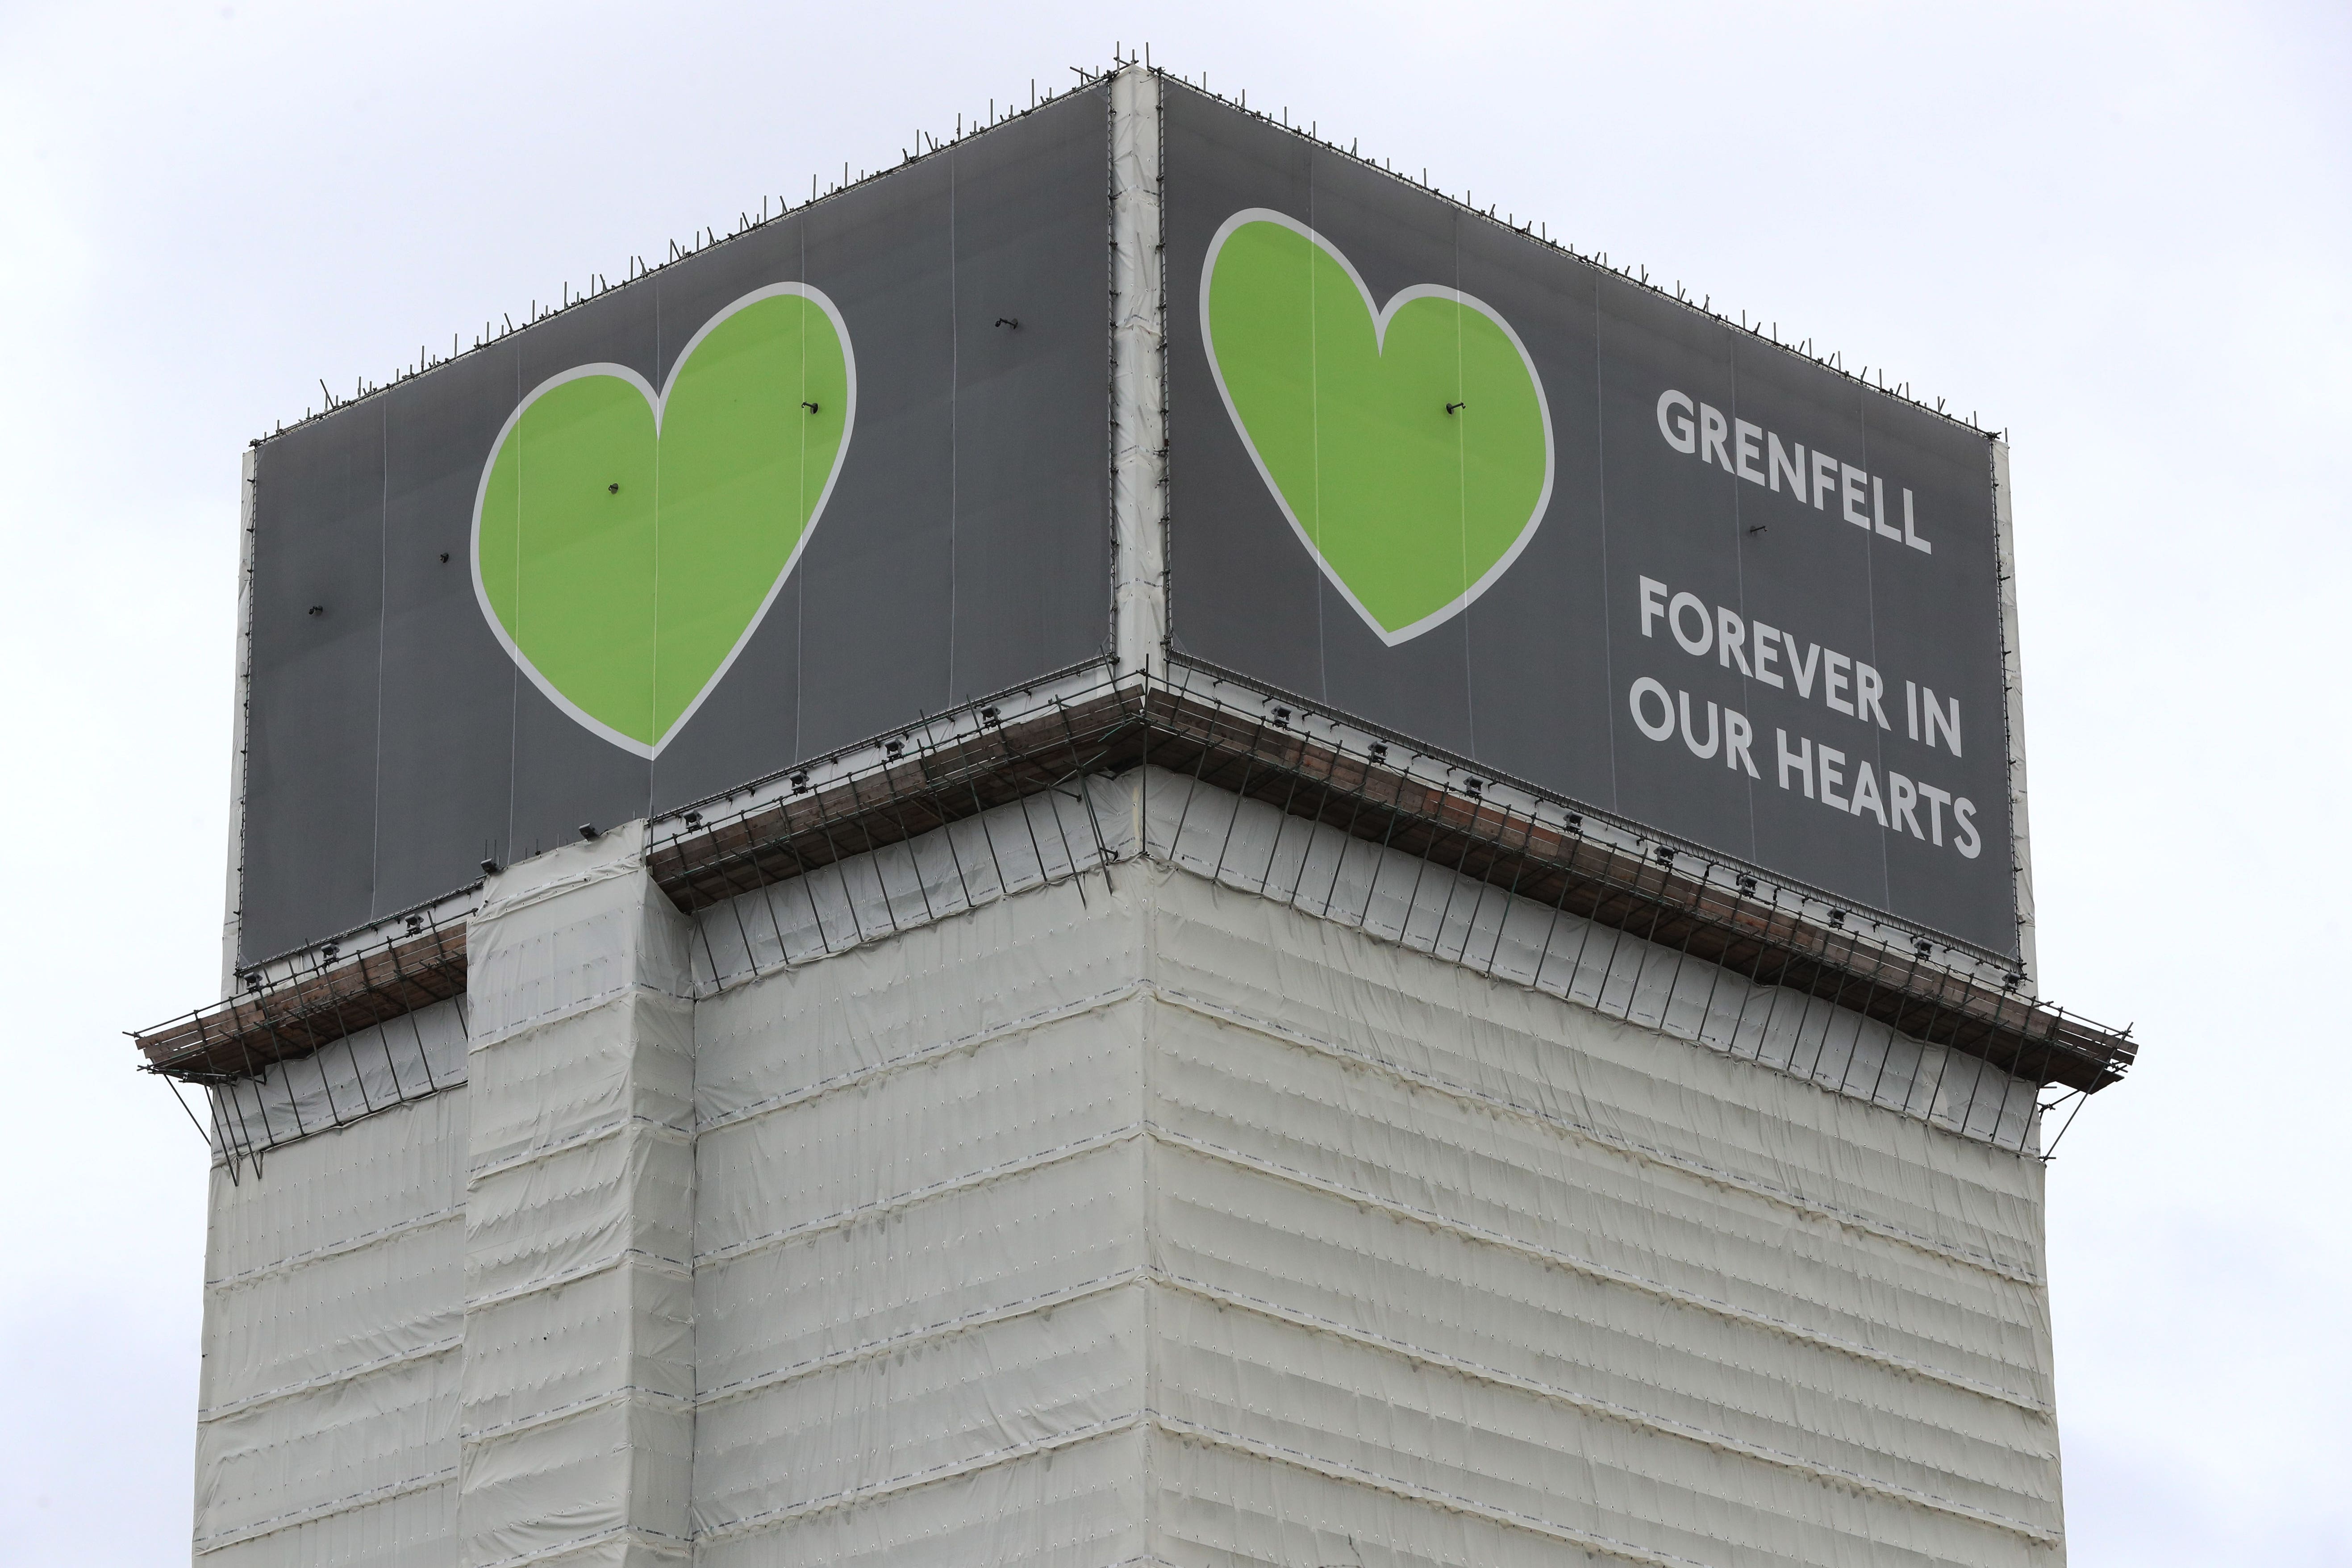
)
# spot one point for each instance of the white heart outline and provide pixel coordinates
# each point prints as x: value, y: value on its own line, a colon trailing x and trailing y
x: 1380, y: 317
x: 659, y: 401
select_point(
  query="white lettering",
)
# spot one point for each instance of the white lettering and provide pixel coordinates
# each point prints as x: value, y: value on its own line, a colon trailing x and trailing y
x: 1801, y: 760
x: 1937, y: 720
x: 1910, y: 534
x: 1712, y: 429
x: 1676, y: 425
x: 1825, y: 472
x: 1867, y: 689
x: 1803, y: 671
x: 1690, y: 732
x: 1902, y: 798
x: 1910, y: 707
x: 1866, y: 795
x: 1835, y: 666
x: 1833, y: 775
x: 1964, y: 813
x: 1654, y: 604
x: 1730, y: 638
x: 1664, y: 728
x: 1767, y: 648
x: 1937, y: 800
x: 1761, y: 456
x: 1849, y: 494
x: 1748, y: 439
x: 1737, y: 737
x: 1706, y: 639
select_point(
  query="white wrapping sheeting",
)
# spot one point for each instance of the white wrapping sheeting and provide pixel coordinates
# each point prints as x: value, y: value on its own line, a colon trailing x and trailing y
x: 576, y: 1412
x: 1082, y: 1504
x: 1097, y: 1208
x: 568, y: 930
x: 1402, y: 899
x: 404, y: 1529
x: 1138, y: 373
x: 1424, y: 1258
x: 1395, y: 1247
x: 416, y: 1055
x: 1029, y: 844
x: 327, y: 1427
x: 1396, y: 896
x: 1495, y: 1055
x: 919, y: 1233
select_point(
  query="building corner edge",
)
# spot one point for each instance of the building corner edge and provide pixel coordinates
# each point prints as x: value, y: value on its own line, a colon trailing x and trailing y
x: 233, y: 894
x: 2020, y: 837
x: 1139, y: 380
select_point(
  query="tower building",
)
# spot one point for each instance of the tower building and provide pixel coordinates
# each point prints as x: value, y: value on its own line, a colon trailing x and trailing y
x: 1134, y: 845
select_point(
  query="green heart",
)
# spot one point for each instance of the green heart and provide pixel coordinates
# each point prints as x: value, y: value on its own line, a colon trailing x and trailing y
x: 1411, y: 449
x: 626, y: 542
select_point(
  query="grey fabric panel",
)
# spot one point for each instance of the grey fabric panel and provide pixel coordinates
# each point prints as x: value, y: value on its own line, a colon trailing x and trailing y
x: 1533, y: 678
x: 1916, y: 626
x: 1532, y: 629
x: 1231, y: 555
x: 1032, y: 532
x: 563, y: 775
x: 310, y: 737
x: 875, y: 640
x: 442, y: 805
x: 1803, y: 572
x: 964, y: 549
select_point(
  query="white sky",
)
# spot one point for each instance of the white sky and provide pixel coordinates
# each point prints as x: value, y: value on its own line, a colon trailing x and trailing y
x: 2122, y: 232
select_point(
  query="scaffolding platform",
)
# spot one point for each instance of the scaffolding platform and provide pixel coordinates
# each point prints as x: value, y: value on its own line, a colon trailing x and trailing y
x: 1318, y: 768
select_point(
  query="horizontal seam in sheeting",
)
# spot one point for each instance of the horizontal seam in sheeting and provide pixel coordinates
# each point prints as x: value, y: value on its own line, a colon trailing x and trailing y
x: 666, y: 1132
x: 1639, y: 1151
x: 670, y: 1265
x: 517, y: 1028
x: 593, y: 876
x: 1611, y: 1409
x: 1625, y: 1549
x: 270, y: 1139
x: 634, y: 1534
x: 1658, y: 1022
x: 857, y: 1076
x: 330, y: 1379
x: 951, y: 1470
x: 337, y: 1249
x: 539, y: 1418
x: 842, y: 1218
x: 734, y: 980
x: 1044, y: 1301
x: 1593, y: 1269
x: 295, y: 1517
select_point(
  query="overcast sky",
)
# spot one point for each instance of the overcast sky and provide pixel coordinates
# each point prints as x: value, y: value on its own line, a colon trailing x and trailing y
x: 2121, y: 232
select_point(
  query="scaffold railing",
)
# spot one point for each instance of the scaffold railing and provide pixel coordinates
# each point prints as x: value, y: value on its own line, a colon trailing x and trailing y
x: 1328, y: 773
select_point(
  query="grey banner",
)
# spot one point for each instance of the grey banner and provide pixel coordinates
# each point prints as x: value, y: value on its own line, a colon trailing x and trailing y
x: 394, y: 744
x: 1758, y: 610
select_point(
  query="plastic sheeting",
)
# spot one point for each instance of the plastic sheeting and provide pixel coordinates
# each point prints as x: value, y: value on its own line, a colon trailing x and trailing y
x: 1370, y: 1251
x: 1402, y: 899
x: 417, y: 1055
x: 1409, y: 1237
x: 575, y: 1405
x: 326, y: 1429
x: 1031, y: 843
x: 1212, y: 1205
x: 1399, y: 897
x: 1139, y: 393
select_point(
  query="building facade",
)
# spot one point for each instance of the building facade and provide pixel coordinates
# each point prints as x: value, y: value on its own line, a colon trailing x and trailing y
x: 1142, y: 1114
